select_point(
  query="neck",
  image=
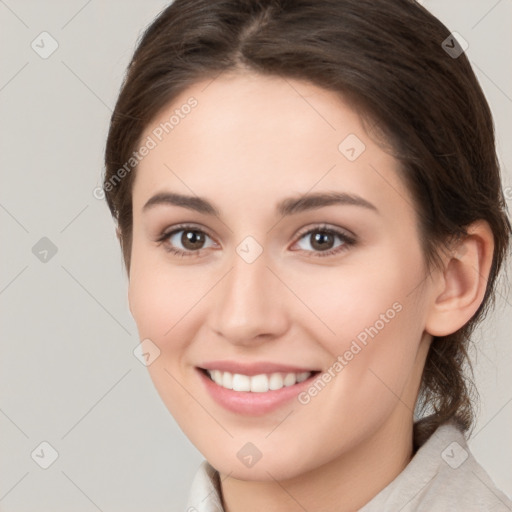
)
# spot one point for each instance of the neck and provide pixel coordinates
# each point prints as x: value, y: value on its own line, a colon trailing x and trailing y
x: 344, y: 484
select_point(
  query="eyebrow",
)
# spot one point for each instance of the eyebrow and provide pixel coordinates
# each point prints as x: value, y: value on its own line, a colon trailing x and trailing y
x: 285, y: 207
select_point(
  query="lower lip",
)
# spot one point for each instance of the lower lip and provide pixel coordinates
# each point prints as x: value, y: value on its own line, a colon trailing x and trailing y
x: 251, y: 403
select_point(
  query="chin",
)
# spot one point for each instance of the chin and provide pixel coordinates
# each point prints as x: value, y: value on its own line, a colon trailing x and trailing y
x: 274, y: 466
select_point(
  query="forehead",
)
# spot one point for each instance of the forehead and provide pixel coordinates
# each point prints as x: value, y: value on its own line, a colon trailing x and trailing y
x: 250, y: 135
x: 244, y: 112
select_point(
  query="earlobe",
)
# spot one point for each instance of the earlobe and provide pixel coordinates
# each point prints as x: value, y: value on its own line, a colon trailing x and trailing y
x: 460, y: 287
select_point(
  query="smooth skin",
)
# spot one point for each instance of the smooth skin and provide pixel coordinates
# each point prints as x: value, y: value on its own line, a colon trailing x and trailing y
x: 251, y: 142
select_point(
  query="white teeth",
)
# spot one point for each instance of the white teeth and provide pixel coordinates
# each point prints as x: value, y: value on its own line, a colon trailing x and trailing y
x: 240, y: 382
x: 275, y: 381
x: 227, y: 380
x: 303, y: 376
x: 289, y: 380
x: 257, y: 383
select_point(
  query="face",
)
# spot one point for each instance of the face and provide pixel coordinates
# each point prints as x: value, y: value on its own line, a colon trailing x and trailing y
x: 296, y: 247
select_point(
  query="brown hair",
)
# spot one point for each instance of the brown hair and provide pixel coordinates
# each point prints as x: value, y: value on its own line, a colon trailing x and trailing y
x: 388, y: 57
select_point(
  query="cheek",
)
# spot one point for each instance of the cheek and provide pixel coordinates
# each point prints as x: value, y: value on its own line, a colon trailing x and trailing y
x: 159, y: 294
x: 156, y: 296
x: 167, y: 303
x: 159, y: 303
x: 371, y: 323
x: 347, y: 300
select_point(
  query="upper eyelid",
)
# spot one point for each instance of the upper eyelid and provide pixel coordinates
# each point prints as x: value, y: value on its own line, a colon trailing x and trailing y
x: 326, y: 227
x: 176, y: 229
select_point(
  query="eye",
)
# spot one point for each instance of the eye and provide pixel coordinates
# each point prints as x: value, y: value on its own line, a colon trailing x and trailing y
x: 322, y: 241
x: 189, y: 237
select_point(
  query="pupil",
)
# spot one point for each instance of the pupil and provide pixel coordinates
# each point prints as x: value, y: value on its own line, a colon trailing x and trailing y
x: 193, y: 238
x: 320, y: 239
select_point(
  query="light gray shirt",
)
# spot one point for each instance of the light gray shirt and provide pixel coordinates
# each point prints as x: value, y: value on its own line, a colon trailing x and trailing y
x: 442, y: 476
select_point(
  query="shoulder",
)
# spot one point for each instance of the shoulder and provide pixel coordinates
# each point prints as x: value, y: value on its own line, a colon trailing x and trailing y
x: 443, y: 475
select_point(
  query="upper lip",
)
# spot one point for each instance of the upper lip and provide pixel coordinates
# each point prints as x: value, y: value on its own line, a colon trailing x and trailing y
x: 250, y: 369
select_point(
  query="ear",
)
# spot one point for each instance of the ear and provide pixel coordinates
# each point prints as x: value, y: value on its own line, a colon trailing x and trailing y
x: 460, y: 286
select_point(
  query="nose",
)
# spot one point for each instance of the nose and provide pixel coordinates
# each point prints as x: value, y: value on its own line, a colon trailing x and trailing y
x: 250, y: 303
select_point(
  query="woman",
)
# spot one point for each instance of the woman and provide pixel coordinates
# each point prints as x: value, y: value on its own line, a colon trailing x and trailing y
x: 310, y: 210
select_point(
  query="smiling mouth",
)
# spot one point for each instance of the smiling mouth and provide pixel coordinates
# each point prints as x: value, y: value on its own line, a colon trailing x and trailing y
x: 261, y: 383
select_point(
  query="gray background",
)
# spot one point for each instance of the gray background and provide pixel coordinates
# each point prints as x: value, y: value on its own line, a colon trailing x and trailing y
x: 68, y: 375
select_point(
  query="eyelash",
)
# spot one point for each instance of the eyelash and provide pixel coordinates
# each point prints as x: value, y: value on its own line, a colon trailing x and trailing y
x: 347, y: 240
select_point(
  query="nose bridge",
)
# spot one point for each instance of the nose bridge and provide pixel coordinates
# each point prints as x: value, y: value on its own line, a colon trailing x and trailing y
x: 249, y: 301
